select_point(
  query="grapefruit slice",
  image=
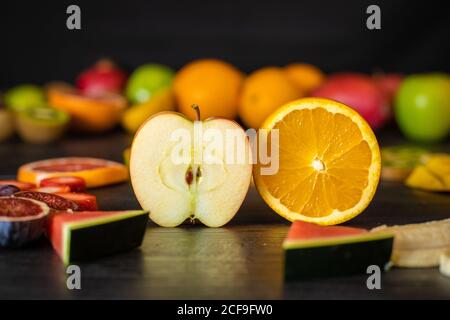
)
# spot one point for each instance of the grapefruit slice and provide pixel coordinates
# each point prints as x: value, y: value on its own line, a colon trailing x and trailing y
x: 322, y: 251
x: 87, y: 235
x: 329, y: 162
x: 75, y: 184
x: 95, y: 172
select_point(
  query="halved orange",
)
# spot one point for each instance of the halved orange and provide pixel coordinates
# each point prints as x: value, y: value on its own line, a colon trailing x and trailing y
x: 329, y: 162
x: 96, y: 172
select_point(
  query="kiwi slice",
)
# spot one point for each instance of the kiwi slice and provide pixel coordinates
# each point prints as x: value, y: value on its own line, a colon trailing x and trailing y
x: 24, y: 97
x: 399, y: 161
x: 41, y: 124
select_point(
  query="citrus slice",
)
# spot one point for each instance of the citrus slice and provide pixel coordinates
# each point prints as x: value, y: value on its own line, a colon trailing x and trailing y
x: 96, y: 172
x: 329, y: 162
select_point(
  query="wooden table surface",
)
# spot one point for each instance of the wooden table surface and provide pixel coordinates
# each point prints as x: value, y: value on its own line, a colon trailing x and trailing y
x: 242, y: 260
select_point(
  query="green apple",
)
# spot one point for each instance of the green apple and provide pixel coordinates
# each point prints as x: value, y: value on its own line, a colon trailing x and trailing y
x: 147, y: 80
x: 24, y: 96
x: 422, y: 107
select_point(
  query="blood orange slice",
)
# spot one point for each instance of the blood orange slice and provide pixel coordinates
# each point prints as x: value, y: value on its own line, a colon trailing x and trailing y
x: 75, y: 184
x: 85, y: 201
x: 96, y: 172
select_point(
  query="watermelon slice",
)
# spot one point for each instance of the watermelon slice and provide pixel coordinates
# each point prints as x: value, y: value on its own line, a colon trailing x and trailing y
x: 88, y: 235
x: 313, y: 251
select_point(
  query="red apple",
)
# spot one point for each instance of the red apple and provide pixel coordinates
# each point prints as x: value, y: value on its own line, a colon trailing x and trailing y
x: 103, y: 77
x: 360, y: 92
x: 388, y: 84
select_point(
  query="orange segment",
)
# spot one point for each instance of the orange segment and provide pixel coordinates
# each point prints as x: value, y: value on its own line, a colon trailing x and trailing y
x: 329, y: 162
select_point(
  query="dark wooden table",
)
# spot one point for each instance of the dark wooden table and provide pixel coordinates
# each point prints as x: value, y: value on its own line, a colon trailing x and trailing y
x: 242, y: 260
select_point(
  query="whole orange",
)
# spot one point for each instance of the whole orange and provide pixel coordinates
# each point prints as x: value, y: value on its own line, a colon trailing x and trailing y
x: 307, y: 77
x: 263, y: 92
x: 212, y: 84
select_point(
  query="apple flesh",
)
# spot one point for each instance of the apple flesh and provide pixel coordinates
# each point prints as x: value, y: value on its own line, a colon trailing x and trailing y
x: 359, y: 92
x: 176, y: 191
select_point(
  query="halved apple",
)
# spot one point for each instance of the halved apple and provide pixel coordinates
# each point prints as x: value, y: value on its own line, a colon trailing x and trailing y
x: 183, y: 170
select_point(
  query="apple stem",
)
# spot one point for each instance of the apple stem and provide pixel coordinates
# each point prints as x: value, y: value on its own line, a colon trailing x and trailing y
x: 197, y: 111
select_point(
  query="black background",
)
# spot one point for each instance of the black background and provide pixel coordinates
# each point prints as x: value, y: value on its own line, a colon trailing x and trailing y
x: 37, y: 47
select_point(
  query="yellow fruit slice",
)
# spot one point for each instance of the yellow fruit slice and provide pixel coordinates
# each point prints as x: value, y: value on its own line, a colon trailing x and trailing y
x: 434, y: 175
x: 329, y: 162
x: 136, y: 115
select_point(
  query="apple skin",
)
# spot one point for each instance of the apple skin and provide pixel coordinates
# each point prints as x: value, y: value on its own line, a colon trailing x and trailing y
x: 169, y: 200
x: 103, y: 77
x: 359, y: 92
x: 422, y: 107
x: 389, y: 83
x: 146, y: 80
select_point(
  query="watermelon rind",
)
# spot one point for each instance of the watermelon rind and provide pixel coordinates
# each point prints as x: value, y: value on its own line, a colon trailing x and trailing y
x: 70, y: 227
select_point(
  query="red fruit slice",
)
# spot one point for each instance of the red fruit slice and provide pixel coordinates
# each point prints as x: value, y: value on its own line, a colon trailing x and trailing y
x: 88, y: 235
x: 52, y: 200
x: 95, y: 172
x: 75, y: 184
x: 309, y: 231
x: 313, y: 251
x: 24, y: 186
x: 54, y: 189
x: 85, y: 201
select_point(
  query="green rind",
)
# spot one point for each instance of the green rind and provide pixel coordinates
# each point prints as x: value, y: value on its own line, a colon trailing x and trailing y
x: 331, y: 259
x: 77, y: 225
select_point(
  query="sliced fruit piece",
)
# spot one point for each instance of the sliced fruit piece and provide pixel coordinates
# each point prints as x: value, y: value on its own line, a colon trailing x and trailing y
x: 419, y: 245
x: 41, y: 124
x: 202, y: 182
x: 21, y: 221
x: 399, y: 161
x: 88, y: 235
x: 54, y: 189
x: 136, y: 115
x: 52, y: 200
x: 75, y: 184
x: 7, y: 127
x: 444, y: 263
x: 23, y: 186
x: 95, y: 172
x: 316, y: 251
x: 434, y: 175
x: 90, y: 113
x: 8, y: 190
x: 85, y: 201
x: 329, y: 162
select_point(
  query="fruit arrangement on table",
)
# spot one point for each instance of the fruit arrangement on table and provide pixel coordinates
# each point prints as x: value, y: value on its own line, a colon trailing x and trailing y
x: 104, y: 96
x: 329, y: 162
